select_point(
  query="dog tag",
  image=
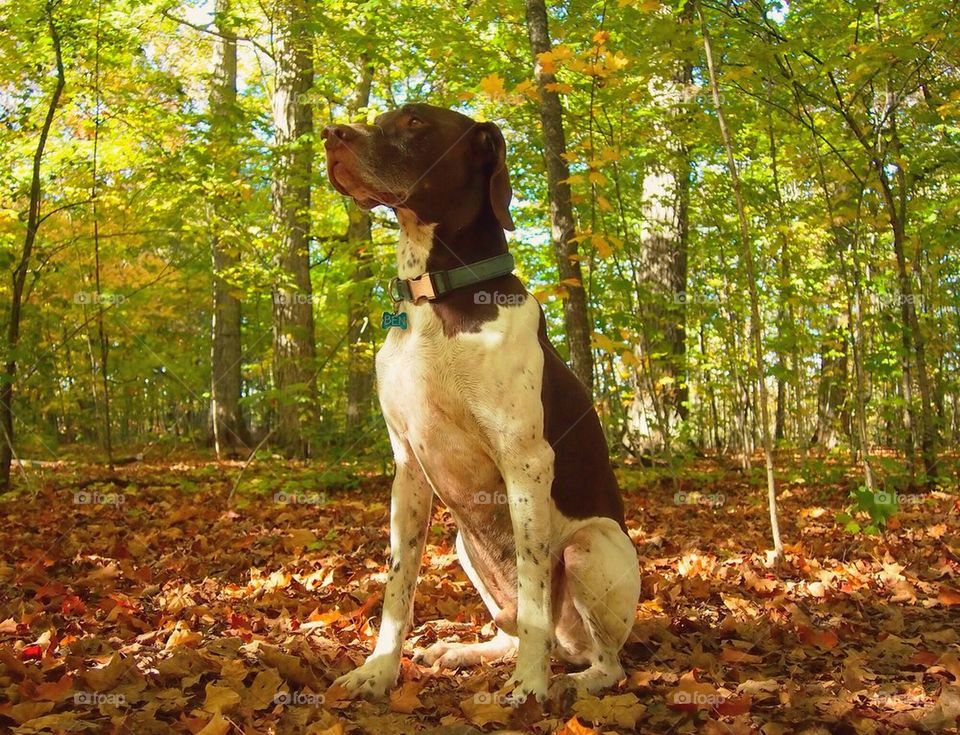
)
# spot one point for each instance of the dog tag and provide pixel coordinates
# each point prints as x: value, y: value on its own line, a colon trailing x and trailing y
x: 393, y: 320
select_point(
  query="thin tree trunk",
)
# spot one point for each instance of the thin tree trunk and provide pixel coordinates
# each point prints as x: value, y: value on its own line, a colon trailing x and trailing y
x: 785, y: 316
x: 831, y: 391
x: 751, y: 275
x: 563, y: 226
x: 895, y: 204
x: 101, y: 328
x: 226, y: 417
x: 294, y: 350
x: 23, y: 267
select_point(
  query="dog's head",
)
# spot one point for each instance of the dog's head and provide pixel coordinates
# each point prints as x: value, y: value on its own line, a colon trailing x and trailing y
x: 438, y: 164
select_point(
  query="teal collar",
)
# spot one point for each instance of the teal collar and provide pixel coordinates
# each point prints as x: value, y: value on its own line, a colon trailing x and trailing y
x: 432, y: 286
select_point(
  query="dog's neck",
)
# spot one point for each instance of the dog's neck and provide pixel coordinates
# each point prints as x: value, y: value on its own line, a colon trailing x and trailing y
x: 413, y: 248
x: 426, y: 247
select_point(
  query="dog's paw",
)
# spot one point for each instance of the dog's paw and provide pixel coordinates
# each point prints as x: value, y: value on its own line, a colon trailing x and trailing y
x: 521, y: 687
x: 372, y: 680
x: 437, y: 654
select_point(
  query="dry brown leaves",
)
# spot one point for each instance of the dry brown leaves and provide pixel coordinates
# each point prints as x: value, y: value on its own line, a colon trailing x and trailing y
x: 167, y: 608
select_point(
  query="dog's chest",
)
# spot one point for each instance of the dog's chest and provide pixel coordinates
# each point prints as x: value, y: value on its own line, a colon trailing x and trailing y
x: 450, y: 400
x: 430, y: 394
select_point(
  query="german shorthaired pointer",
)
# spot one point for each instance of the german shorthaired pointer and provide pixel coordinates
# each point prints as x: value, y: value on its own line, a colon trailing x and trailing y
x: 483, y: 412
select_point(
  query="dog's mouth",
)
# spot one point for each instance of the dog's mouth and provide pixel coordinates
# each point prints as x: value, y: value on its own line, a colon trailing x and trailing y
x: 347, y: 182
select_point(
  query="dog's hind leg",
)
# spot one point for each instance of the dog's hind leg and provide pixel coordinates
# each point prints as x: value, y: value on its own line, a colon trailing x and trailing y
x: 452, y: 655
x: 598, y: 604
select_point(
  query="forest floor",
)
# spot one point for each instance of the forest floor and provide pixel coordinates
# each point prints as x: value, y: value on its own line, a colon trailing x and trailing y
x: 148, y: 599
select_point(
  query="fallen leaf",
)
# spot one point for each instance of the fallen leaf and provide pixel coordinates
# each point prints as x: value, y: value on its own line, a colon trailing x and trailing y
x: 263, y: 691
x: 736, y: 656
x: 574, y: 727
x: 622, y: 710
x: 217, y: 725
x: 822, y: 639
x: 948, y: 597
x: 485, y: 707
x: 220, y: 699
x: 404, y: 698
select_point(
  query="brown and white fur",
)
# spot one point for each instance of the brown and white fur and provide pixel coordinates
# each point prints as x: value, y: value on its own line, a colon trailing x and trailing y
x: 483, y: 413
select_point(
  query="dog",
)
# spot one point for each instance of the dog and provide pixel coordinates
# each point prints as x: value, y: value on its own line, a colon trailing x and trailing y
x: 483, y: 412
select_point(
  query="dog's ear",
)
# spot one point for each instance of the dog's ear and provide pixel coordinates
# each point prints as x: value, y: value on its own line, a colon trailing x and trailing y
x: 493, y: 145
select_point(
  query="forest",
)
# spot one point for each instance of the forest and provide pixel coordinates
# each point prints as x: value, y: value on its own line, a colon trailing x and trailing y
x: 741, y: 220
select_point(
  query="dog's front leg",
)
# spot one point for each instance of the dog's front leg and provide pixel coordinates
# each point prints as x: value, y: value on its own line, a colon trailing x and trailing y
x: 410, y: 504
x: 528, y: 475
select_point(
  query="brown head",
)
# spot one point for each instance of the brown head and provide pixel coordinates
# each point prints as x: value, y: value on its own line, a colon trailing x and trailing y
x: 439, y: 164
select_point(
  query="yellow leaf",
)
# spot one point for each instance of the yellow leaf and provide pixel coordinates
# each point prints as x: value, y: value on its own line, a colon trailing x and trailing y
x: 526, y: 88
x: 216, y: 726
x: 596, y: 177
x: 603, y: 342
x: 604, y: 204
x: 404, y: 698
x: 600, y: 243
x: 621, y: 710
x: 547, y: 63
x: 219, y: 699
x: 629, y: 358
x: 484, y: 707
x: 559, y: 87
x: 492, y: 86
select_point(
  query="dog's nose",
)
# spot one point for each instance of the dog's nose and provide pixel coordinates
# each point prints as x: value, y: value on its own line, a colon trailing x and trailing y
x: 335, y: 135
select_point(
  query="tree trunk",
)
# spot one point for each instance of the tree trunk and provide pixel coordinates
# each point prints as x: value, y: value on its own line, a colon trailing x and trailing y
x: 746, y: 249
x: 563, y: 227
x: 226, y: 418
x: 20, y: 273
x: 831, y: 391
x: 294, y: 351
x: 359, y: 326
x: 662, y: 277
x: 785, y: 316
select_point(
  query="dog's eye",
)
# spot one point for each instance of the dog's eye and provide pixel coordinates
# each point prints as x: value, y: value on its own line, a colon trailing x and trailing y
x: 414, y: 122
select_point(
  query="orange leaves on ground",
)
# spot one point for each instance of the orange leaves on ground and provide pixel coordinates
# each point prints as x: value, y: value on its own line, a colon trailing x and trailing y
x: 825, y: 640
x: 948, y: 597
x: 619, y: 710
x: 224, y: 617
x: 405, y: 699
x: 736, y: 656
x: 573, y: 726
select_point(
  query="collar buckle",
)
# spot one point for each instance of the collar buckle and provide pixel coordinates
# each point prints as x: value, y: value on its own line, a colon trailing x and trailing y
x: 422, y: 287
